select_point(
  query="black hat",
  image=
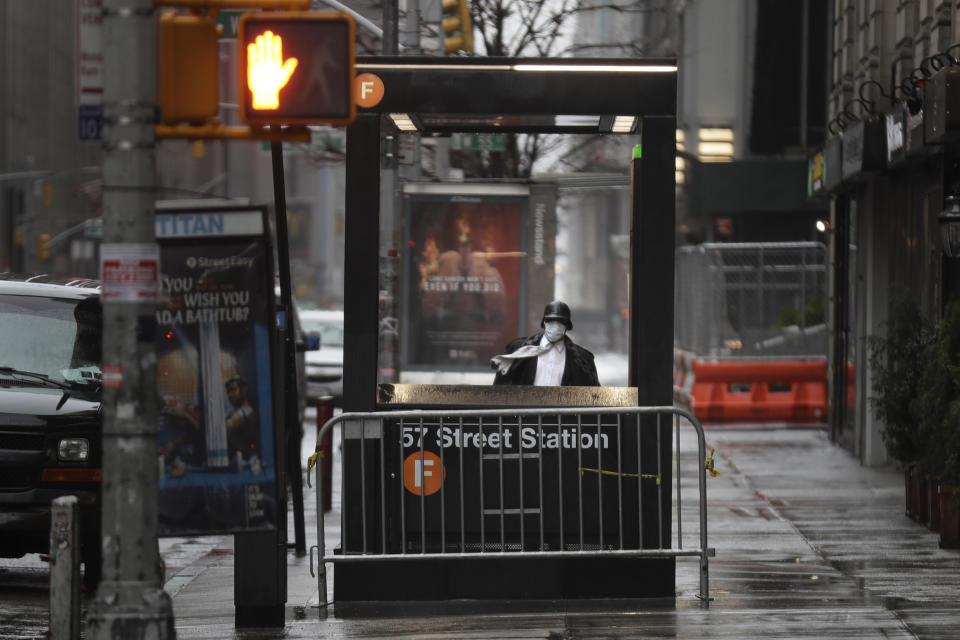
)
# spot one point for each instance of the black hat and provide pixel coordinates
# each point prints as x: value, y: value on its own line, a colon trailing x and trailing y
x: 557, y: 310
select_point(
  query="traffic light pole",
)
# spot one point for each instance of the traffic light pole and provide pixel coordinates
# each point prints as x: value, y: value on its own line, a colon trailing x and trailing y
x: 260, y: 568
x: 294, y: 428
x: 130, y: 602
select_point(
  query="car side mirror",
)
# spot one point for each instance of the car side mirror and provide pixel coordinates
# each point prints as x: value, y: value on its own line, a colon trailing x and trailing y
x: 311, y: 342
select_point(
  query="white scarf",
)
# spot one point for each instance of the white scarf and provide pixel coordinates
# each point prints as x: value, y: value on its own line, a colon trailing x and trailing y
x: 505, y: 361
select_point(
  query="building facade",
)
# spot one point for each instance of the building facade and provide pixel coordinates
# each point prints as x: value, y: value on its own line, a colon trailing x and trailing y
x: 886, y: 167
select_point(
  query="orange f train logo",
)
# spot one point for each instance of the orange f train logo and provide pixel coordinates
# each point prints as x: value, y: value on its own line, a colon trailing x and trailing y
x: 423, y: 474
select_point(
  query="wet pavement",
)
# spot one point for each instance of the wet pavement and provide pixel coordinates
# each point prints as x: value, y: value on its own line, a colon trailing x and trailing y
x: 808, y: 544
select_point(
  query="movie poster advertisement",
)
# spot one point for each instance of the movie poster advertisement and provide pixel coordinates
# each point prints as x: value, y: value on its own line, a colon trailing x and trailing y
x: 216, y: 456
x: 464, y: 279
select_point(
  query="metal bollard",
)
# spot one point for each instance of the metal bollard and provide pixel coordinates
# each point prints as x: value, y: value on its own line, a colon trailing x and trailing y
x: 64, y: 569
x: 324, y: 413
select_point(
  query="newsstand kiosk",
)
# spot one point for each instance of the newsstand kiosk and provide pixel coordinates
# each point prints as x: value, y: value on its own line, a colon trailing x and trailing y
x: 484, y: 95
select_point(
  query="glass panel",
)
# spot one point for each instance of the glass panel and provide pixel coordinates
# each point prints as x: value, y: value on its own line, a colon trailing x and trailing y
x: 483, y: 244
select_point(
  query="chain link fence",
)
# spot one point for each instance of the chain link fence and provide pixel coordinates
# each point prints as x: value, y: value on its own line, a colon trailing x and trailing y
x: 752, y: 300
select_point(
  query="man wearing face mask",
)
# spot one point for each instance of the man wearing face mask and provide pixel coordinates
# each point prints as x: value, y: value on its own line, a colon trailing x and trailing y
x: 548, y: 358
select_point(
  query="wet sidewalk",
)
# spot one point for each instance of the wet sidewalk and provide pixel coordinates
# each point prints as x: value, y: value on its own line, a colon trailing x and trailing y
x: 808, y: 544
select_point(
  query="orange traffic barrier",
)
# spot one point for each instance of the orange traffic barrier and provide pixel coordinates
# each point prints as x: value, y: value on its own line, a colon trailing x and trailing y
x: 769, y: 390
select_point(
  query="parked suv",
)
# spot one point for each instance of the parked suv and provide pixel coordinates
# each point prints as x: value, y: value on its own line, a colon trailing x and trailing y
x: 50, y: 412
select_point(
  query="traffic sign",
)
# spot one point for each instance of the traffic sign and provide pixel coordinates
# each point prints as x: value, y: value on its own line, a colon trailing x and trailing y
x: 479, y: 141
x: 89, y: 56
x: 89, y: 121
x: 296, y: 68
x: 228, y: 19
x: 93, y: 227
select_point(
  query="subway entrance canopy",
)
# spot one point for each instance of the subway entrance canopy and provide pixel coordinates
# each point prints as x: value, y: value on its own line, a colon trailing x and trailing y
x: 513, y: 95
x: 536, y: 95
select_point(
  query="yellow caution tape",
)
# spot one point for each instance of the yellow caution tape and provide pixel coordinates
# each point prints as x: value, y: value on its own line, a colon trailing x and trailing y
x: 708, y: 464
x: 606, y: 472
x: 312, y: 460
x: 311, y: 463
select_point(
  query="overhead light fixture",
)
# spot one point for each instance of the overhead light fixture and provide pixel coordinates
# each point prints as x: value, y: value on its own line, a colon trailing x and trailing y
x: 598, y: 68
x: 623, y: 124
x: 822, y: 226
x: 403, y: 122
x: 681, y: 136
x: 715, y: 134
x: 679, y: 177
x: 435, y: 67
x: 576, y: 121
x: 592, y: 68
x: 715, y: 149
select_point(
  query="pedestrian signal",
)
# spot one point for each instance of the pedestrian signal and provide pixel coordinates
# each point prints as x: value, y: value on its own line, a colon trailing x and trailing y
x: 296, y: 68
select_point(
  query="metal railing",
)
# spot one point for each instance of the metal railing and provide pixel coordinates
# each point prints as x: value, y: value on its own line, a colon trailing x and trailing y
x: 564, y: 482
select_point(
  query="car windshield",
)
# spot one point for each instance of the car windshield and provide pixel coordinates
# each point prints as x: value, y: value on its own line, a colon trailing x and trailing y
x: 330, y: 331
x: 55, y: 337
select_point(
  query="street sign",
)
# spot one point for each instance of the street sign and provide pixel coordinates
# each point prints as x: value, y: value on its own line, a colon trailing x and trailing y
x: 479, y: 141
x: 228, y: 19
x: 89, y: 121
x: 89, y: 69
x: 296, y: 68
x: 93, y: 228
x: 128, y: 271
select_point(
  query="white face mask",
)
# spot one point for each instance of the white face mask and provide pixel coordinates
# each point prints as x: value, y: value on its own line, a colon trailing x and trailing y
x: 554, y: 330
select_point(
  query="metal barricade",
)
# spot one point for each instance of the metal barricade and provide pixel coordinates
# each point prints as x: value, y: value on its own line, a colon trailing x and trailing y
x: 529, y: 449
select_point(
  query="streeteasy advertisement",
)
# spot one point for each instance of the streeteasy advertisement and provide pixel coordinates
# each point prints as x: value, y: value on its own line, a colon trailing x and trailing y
x: 216, y: 458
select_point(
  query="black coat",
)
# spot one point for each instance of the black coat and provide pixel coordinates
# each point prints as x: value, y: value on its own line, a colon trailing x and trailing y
x: 579, y: 370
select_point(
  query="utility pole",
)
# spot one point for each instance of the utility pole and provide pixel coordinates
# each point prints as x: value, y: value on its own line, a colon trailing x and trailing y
x: 130, y: 602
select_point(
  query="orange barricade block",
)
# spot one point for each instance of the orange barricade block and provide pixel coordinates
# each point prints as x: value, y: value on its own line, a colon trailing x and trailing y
x: 768, y: 390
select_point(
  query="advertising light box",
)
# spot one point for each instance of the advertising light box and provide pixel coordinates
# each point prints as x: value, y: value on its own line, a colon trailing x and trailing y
x: 215, y: 443
x: 464, y: 276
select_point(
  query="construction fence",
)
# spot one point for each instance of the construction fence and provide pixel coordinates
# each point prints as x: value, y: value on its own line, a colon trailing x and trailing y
x: 750, y: 338
x: 752, y: 299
